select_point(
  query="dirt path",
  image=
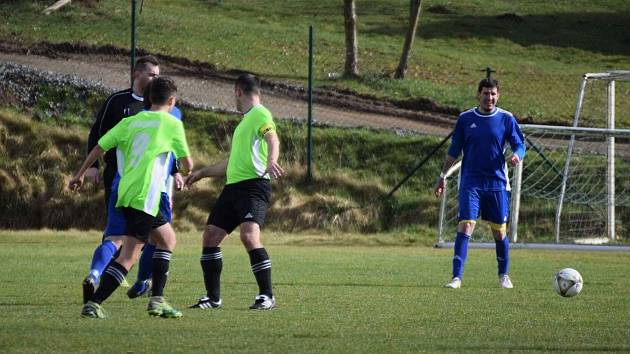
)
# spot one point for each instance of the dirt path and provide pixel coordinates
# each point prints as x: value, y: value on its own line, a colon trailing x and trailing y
x: 111, y: 71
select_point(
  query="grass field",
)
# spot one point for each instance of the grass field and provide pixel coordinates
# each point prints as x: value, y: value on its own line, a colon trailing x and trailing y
x: 539, y: 48
x: 331, y: 298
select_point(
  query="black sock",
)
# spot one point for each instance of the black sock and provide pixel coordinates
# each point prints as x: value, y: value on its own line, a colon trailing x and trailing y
x: 161, y: 261
x: 212, y: 265
x: 113, y: 275
x: 261, y: 266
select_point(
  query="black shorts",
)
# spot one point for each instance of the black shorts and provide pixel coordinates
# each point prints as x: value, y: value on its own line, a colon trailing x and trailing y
x: 241, y: 202
x: 140, y: 224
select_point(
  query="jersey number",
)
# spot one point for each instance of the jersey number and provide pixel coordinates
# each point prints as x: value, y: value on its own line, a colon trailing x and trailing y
x: 139, y: 145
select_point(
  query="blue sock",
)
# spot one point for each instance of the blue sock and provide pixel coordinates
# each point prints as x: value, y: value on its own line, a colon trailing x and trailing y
x: 145, y: 264
x: 460, y: 253
x: 102, y: 256
x: 503, y: 255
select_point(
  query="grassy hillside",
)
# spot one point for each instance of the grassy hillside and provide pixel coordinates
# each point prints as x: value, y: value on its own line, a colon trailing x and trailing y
x: 347, y: 193
x: 539, y: 48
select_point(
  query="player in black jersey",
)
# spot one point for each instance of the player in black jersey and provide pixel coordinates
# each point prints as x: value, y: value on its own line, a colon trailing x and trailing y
x: 119, y: 105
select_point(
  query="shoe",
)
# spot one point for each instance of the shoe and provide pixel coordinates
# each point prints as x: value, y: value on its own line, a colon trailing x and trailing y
x: 455, y: 283
x: 159, y: 307
x: 89, y: 286
x: 505, y: 282
x: 139, y: 288
x: 204, y: 302
x: 263, y: 302
x: 92, y: 310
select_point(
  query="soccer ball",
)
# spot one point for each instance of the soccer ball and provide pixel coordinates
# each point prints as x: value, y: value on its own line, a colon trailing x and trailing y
x: 567, y: 282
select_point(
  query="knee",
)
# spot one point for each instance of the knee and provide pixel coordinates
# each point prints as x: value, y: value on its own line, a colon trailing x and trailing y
x: 499, y: 231
x: 213, y: 236
x: 466, y: 227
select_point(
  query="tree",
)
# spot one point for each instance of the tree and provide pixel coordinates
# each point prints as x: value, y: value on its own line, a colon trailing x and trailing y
x: 350, y: 24
x: 414, y: 19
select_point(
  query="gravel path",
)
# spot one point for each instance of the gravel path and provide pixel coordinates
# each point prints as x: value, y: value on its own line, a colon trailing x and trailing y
x: 217, y: 93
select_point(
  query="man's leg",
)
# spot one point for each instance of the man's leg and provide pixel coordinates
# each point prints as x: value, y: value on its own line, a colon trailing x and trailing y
x: 495, y: 209
x: 261, y: 265
x: 467, y: 216
x: 212, y: 264
x: 143, y: 282
x: 114, y: 275
x: 164, y: 247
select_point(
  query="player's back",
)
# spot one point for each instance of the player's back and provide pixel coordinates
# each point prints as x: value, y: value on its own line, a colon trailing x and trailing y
x: 144, y: 143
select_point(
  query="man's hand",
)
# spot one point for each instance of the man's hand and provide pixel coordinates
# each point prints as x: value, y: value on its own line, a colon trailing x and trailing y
x: 75, y: 183
x: 92, y: 175
x: 273, y: 169
x: 179, y: 181
x: 514, y: 160
x: 439, y: 187
x: 190, y: 179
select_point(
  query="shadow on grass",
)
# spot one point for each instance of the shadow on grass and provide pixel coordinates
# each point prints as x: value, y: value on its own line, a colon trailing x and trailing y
x: 601, y: 32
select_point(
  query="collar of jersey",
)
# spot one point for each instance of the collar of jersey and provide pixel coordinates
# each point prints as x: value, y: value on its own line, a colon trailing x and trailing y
x: 478, y: 112
x: 138, y: 98
x: 254, y: 106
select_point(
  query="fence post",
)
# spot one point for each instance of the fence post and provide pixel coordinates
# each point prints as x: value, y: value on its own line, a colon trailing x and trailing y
x: 516, y: 201
x: 133, y: 37
x: 309, y: 138
x: 610, y: 184
x: 442, y: 212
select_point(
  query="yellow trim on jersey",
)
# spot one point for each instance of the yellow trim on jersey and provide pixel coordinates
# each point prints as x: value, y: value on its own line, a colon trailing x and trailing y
x: 498, y: 227
x: 468, y: 222
x: 265, y: 129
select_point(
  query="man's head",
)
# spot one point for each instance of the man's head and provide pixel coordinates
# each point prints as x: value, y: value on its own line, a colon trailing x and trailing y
x: 146, y: 69
x: 246, y: 89
x: 488, y: 94
x: 161, y: 92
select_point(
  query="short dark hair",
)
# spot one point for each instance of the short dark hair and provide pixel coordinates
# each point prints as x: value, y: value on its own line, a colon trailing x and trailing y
x: 143, y: 62
x: 248, y: 83
x: 160, y: 89
x: 489, y: 83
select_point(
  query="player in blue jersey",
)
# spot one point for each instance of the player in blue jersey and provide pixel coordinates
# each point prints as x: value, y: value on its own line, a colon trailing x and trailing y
x: 481, y: 134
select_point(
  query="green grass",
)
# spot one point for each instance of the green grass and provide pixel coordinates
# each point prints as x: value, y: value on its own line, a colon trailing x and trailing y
x: 540, y: 51
x: 331, y: 298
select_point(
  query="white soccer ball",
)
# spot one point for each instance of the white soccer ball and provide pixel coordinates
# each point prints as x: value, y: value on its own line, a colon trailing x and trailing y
x: 568, y: 282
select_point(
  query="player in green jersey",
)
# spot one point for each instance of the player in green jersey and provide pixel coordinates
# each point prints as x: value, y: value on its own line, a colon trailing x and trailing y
x: 143, y: 143
x: 243, y: 203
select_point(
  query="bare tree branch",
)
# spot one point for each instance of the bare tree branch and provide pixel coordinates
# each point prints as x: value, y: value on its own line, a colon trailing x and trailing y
x: 56, y: 6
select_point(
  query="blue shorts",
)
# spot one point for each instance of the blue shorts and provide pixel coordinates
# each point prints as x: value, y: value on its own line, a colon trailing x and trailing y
x: 493, y: 205
x: 116, y: 224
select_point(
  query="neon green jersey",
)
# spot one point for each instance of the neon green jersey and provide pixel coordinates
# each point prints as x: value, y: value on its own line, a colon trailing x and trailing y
x: 248, y: 154
x: 144, y: 143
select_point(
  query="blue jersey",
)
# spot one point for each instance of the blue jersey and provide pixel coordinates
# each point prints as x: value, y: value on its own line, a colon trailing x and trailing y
x: 482, y: 139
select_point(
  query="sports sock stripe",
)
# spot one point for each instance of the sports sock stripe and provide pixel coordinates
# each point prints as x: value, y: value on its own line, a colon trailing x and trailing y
x: 165, y: 255
x: 209, y: 256
x: 266, y: 264
x: 117, y: 274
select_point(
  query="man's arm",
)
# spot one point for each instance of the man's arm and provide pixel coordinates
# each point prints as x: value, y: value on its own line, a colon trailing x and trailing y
x: 217, y: 170
x: 95, y: 133
x: 76, y: 181
x: 448, y: 162
x: 273, y: 152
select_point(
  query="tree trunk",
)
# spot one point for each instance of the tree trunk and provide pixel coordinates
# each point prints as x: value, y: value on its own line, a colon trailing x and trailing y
x: 350, y: 24
x: 414, y: 19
